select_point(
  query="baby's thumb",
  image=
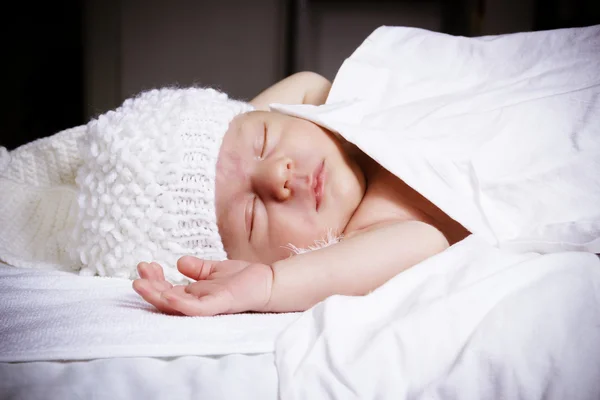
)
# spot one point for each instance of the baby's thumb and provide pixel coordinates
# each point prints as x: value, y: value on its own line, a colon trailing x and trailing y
x: 195, y: 268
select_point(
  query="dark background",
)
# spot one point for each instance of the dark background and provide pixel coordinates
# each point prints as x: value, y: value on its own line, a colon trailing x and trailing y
x: 51, y: 56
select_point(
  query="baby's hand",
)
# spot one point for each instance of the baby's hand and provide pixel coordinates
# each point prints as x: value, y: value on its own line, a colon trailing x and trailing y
x: 221, y: 287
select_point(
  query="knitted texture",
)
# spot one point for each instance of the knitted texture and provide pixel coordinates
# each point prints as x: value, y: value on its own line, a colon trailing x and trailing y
x: 37, y: 201
x: 147, y: 182
x: 135, y: 184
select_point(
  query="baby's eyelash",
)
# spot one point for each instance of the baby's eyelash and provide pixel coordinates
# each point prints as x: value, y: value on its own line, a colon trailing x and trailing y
x: 253, y: 211
x: 264, y: 147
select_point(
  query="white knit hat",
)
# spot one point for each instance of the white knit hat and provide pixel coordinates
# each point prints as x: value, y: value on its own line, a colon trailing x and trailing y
x: 145, y: 183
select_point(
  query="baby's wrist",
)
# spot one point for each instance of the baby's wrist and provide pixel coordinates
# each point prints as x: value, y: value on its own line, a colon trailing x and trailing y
x: 268, y: 279
x: 268, y: 305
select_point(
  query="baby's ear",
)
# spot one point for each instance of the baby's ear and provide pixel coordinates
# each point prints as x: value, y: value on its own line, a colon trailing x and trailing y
x: 330, y: 238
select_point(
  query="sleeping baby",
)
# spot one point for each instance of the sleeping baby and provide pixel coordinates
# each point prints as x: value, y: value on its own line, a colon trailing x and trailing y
x: 223, y: 206
x: 282, y: 184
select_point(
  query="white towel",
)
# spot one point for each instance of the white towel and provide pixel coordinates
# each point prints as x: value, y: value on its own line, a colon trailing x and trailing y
x: 57, y: 315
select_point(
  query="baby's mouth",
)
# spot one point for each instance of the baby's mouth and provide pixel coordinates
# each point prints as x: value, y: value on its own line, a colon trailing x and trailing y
x: 318, y: 184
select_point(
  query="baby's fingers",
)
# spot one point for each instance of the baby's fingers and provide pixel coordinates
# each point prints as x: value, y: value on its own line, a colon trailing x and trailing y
x: 195, y: 268
x: 208, y: 304
x: 152, y: 271
x: 151, y: 292
x: 158, y: 271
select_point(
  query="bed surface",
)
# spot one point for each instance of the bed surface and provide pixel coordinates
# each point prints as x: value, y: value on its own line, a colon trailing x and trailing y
x: 70, y: 317
x: 228, y: 377
x: 63, y: 336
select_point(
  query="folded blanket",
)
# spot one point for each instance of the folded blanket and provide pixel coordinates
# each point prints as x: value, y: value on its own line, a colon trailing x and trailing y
x: 38, y: 199
x: 57, y: 315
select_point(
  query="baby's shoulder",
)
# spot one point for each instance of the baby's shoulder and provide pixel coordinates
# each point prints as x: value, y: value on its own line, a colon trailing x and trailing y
x: 401, y: 235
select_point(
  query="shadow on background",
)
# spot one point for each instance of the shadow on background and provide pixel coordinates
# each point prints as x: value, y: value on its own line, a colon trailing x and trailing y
x: 45, y: 79
x: 42, y: 89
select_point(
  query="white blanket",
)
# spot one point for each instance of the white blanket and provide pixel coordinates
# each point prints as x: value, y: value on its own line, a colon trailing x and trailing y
x: 56, y: 315
x: 503, y: 134
x: 471, y: 323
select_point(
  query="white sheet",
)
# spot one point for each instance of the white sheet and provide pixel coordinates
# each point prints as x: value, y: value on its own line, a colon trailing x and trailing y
x: 470, y: 323
x: 56, y: 315
x: 239, y: 377
x: 123, y: 348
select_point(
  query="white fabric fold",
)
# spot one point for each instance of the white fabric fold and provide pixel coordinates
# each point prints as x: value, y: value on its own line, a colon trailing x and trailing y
x: 502, y: 133
x: 38, y: 206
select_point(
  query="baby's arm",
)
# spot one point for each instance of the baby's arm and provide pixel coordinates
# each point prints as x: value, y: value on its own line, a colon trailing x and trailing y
x: 355, y: 266
x: 299, y: 88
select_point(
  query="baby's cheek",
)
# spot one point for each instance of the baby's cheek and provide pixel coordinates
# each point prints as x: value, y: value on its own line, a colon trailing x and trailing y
x: 230, y: 167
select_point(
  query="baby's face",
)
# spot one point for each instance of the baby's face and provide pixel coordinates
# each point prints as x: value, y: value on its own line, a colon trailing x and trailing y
x: 282, y: 180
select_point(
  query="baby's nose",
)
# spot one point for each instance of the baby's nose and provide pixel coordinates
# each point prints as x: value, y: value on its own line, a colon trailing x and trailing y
x: 273, y: 178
